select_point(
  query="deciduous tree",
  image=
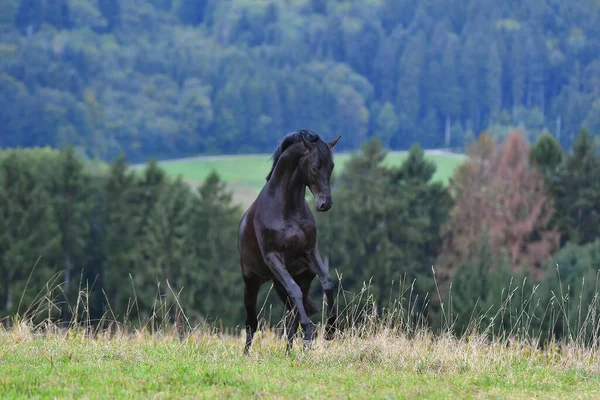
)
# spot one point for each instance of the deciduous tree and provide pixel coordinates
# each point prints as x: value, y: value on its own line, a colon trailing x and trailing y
x: 498, y: 191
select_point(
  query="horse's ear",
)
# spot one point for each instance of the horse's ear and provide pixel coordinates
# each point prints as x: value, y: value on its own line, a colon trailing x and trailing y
x: 308, y: 144
x: 334, y: 141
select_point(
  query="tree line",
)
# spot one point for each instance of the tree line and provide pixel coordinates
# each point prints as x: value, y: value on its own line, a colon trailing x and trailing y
x: 129, y: 242
x: 514, y: 236
x: 167, y: 78
x: 139, y: 245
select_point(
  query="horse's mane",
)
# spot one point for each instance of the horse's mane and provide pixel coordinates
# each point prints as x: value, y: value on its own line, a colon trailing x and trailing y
x: 294, y: 138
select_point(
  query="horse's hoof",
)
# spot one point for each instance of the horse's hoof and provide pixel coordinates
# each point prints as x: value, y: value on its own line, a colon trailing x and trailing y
x: 308, y: 344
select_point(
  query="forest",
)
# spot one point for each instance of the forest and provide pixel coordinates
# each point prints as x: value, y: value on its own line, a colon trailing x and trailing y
x: 88, y: 87
x: 166, y: 78
x: 131, y: 244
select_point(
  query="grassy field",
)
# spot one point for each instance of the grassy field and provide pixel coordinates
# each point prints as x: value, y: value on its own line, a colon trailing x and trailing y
x: 367, y: 359
x: 246, y: 174
x: 205, y: 365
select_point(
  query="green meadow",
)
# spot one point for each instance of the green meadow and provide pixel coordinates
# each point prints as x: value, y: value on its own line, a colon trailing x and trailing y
x: 206, y: 365
x: 245, y: 174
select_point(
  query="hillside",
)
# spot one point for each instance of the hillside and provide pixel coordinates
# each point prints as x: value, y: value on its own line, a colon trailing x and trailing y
x: 173, y: 78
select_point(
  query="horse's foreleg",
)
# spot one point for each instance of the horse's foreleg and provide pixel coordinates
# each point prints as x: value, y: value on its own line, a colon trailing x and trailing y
x: 303, y: 280
x: 318, y: 267
x: 251, y: 288
x: 275, y: 263
x: 291, y: 325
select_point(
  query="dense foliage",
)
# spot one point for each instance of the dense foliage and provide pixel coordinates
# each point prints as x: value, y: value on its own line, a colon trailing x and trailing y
x: 136, y: 79
x: 139, y: 246
x: 134, y: 243
x: 172, y: 77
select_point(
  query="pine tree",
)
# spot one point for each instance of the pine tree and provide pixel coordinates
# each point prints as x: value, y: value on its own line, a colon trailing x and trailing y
x: 450, y: 97
x: 57, y: 13
x: 214, y: 275
x: 163, y: 250
x: 386, y: 124
x: 29, y: 236
x: 385, y: 226
x: 120, y: 216
x: 417, y: 209
x: 408, y: 100
x: 572, y: 272
x: 355, y: 237
x: 318, y: 6
x: 71, y: 194
x: 546, y: 155
x: 29, y: 15
x: 111, y: 11
x: 148, y: 189
x: 478, y: 291
x: 191, y: 12
x: 517, y: 72
x: 494, y: 81
x: 577, y: 192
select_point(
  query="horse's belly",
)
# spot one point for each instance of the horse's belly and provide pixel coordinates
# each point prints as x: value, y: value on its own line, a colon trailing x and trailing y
x: 295, y: 253
x: 297, y: 267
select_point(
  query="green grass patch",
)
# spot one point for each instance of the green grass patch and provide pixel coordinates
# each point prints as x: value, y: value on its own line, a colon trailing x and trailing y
x: 204, y: 365
x: 251, y: 170
x: 246, y: 174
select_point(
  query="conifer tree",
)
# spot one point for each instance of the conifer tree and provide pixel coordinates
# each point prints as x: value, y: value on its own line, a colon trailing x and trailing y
x: 385, y: 226
x: 479, y: 291
x: 354, y: 234
x: 120, y: 215
x: 577, y: 192
x: 546, y: 155
x: 71, y: 194
x: 418, y: 210
x: 214, y: 273
x: 163, y: 249
x: 28, y: 233
x: 147, y: 192
x: 569, y: 291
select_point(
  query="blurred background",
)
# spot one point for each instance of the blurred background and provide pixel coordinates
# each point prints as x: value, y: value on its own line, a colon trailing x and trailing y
x: 135, y: 133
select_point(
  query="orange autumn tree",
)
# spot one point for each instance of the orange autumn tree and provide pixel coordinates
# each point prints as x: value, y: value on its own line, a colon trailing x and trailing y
x: 497, y: 192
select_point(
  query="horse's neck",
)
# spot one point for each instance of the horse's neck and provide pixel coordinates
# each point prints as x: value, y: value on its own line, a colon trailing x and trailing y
x: 285, y: 181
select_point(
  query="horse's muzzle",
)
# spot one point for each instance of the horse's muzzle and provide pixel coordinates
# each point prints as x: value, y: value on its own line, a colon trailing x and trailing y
x: 323, y: 206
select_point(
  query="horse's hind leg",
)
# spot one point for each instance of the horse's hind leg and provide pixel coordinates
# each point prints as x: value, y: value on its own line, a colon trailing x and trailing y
x: 251, y: 288
x: 304, y: 281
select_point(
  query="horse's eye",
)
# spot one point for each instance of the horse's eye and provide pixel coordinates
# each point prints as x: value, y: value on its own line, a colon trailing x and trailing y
x: 313, y: 168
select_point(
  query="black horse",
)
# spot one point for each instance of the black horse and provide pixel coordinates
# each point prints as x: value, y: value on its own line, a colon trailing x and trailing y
x: 277, y: 236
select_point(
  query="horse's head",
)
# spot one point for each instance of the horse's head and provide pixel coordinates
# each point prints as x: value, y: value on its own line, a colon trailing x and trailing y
x: 316, y: 166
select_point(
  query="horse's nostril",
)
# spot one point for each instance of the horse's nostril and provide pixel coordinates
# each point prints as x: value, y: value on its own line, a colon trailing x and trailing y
x: 325, y: 206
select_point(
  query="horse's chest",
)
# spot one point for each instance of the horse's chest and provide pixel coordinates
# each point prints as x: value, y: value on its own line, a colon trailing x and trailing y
x: 296, y: 239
